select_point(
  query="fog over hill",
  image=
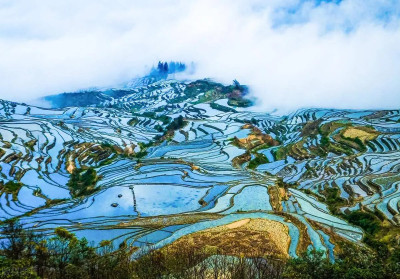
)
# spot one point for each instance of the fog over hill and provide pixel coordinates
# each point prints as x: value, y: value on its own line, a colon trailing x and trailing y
x: 292, y: 53
x: 200, y: 139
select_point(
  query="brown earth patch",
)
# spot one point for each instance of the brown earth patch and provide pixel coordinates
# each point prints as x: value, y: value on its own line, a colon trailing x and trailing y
x: 363, y: 133
x: 238, y: 161
x: 162, y: 221
x: 304, y: 239
x: 237, y: 224
x: 255, y: 138
x: 248, y: 237
x: 275, y: 197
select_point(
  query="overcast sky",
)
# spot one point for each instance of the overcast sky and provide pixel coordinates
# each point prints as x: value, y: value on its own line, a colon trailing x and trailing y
x: 292, y: 53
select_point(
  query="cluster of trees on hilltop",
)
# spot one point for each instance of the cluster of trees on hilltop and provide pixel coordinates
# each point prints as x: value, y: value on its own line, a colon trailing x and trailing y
x: 165, y: 68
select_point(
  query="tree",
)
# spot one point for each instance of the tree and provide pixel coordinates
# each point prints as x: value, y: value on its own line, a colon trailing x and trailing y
x: 160, y: 66
x: 236, y: 84
x: 19, y: 243
x: 17, y: 250
x: 310, y: 265
x: 172, y: 68
x: 165, y: 67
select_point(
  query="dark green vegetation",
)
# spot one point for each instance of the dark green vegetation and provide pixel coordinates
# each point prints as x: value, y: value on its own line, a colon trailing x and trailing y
x: 100, y: 154
x: 352, y: 262
x: 11, y: 187
x: 256, y: 141
x: 213, y: 91
x: 82, y: 182
x: 239, y: 102
x: 177, y: 123
x: 171, y: 125
x: 333, y: 199
x: 152, y: 115
x: 165, y: 68
x: 26, y: 255
x: 258, y: 160
x: 281, y: 153
x: 30, y: 144
x: 133, y: 121
x: 332, y: 139
x: 366, y: 220
x: 221, y: 108
x: 381, y: 236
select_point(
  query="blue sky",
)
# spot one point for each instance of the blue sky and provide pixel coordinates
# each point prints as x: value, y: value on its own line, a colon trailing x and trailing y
x: 293, y: 53
x: 342, y: 15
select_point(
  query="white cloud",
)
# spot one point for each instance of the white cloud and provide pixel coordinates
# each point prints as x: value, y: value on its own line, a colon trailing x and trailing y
x: 292, y: 53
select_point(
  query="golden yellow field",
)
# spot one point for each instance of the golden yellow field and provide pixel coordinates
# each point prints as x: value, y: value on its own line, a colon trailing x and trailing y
x: 361, y: 133
x: 248, y: 237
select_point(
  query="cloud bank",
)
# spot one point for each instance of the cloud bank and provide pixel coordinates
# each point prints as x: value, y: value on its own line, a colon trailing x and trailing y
x: 292, y: 53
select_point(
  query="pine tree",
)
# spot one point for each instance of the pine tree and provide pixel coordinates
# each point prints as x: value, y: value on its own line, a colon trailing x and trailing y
x: 165, y: 68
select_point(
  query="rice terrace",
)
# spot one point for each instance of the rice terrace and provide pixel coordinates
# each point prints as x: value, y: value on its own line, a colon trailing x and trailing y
x: 200, y: 139
x: 168, y: 161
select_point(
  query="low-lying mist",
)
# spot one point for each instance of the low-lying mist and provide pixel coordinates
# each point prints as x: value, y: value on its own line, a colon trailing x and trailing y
x: 291, y: 53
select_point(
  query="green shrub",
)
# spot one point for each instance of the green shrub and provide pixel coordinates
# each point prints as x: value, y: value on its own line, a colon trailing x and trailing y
x: 63, y: 255
x: 177, y: 123
x: 333, y: 199
x: 259, y: 159
x: 367, y: 221
x: 12, y: 186
x: 82, y: 182
x: 221, y: 108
